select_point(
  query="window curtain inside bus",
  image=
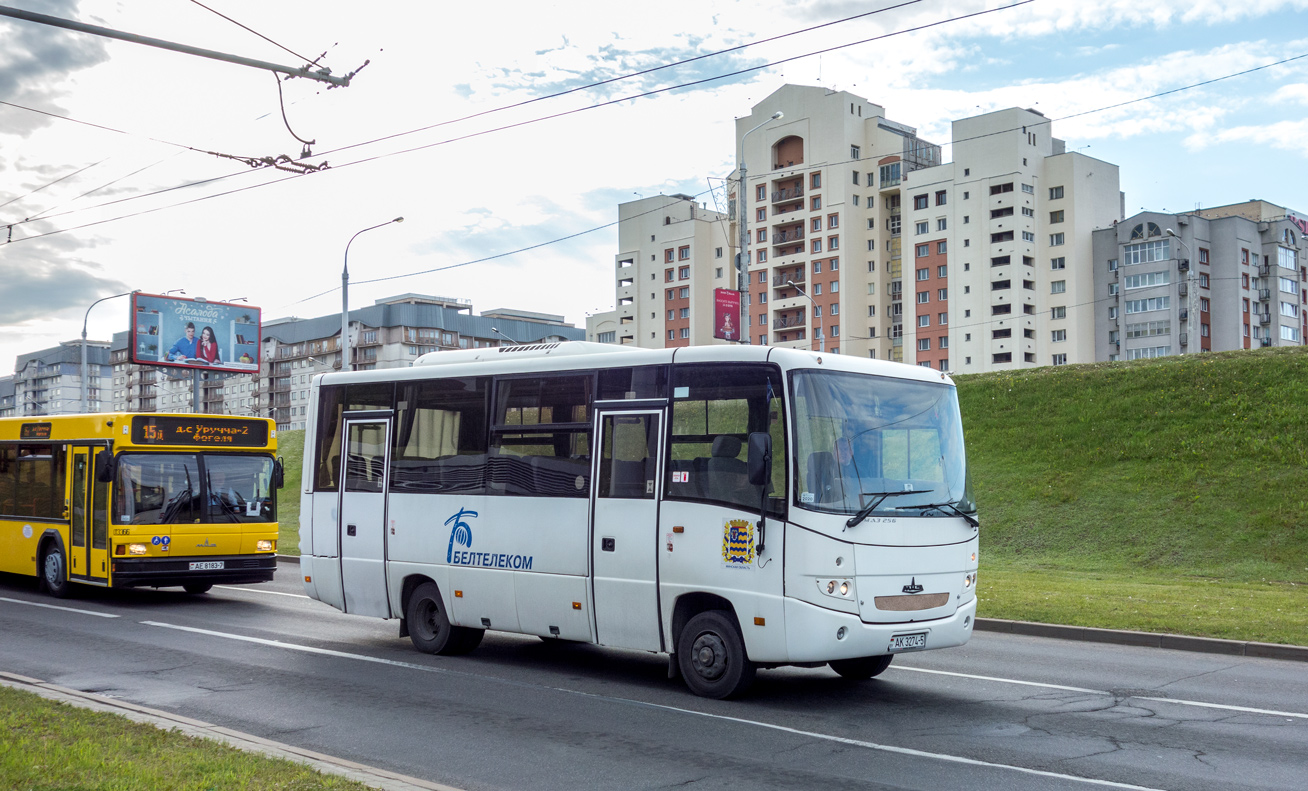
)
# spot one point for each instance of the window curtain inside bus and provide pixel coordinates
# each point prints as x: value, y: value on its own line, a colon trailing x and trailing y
x: 540, y: 445
x: 440, y: 436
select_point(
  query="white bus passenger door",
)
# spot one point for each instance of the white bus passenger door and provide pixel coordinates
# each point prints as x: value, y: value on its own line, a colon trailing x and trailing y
x: 362, y: 516
x: 624, y: 530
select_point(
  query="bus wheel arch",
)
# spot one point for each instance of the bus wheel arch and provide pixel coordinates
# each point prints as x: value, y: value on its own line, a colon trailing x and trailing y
x: 52, y: 565
x: 710, y: 646
x: 427, y: 621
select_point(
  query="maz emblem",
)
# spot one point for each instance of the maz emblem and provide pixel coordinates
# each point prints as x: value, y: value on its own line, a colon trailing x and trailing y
x: 912, y: 586
x: 212, y: 546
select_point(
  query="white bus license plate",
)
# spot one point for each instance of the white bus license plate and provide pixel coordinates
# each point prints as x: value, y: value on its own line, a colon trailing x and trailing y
x: 207, y: 565
x: 908, y: 642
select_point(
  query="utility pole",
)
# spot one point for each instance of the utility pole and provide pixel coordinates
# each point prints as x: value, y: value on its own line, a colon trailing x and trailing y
x: 321, y: 75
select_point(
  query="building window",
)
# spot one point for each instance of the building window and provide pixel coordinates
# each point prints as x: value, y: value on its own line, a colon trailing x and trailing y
x: 1145, y: 252
x: 1059, y: 312
x: 672, y: 335
x: 1000, y: 285
x: 833, y: 220
x: 607, y: 337
x: 685, y: 332
x: 855, y: 176
x: 1146, y: 280
x: 853, y: 152
x: 815, y: 203
x: 941, y: 247
x: 942, y: 294
x: 835, y: 328
x: 1147, y: 305
x: 717, y: 252
x: 1055, y: 193
x: 684, y: 293
x: 921, y: 201
x: 921, y: 228
x: 684, y: 273
x: 1058, y: 263
x: 717, y: 272
x: 1055, y: 239
x: 814, y: 180
x: 1002, y: 236
x: 942, y: 224
x: 1203, y: 280
x: 1060, y: 359
x: 999, y: 189
x: 924, y: 320
x: 835, y: 286
x: 923, y: 297
x: 1002, y: 357
x: 923, y: 250
x: 1028, y: 236
x: 941, y: 270
x: 924, y: 273
x: 942, y: 319
x: 817, y: 245
x: 761, y: 192
x: 1058, y: 336
x: 941, y: 198
x: 1028, y: 189
x: 833, y: 243
x: 667, y: 255
x: 924, y: 344
x: 685, y: 313
x: 1058, y: 287
x: 816, y: 224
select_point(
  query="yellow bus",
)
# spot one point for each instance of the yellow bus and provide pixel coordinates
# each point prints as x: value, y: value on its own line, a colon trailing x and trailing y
x: 139, y: 500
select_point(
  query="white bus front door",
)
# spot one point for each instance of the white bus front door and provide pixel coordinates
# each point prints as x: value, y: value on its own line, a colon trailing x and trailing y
x: 624, y: 530
x: 362, y: 522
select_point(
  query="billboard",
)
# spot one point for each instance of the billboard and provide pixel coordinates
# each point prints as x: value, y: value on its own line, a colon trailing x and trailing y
x: 726, y: 314
x: 193, y: 333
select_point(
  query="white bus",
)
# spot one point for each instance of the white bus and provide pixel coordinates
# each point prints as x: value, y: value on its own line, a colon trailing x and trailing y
x: 734, y: 507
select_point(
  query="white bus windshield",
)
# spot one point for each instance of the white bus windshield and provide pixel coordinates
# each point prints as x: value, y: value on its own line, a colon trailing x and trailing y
x: 861, y: 440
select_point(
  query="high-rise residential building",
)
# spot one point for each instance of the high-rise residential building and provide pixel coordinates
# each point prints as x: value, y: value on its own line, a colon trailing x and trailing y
x: 673, y: 252
x: 1229, y: 277
x: 859, y: 233
x: 49, y: 381
x: 7, y: 396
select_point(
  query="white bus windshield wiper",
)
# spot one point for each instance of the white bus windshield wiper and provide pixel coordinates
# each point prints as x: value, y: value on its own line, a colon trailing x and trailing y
x: 872, y: 506
x: 970, y: 519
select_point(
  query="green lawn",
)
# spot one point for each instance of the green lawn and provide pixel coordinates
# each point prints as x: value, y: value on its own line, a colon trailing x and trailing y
x: 49, y: 745
x: 290, y: 446
x: 1161, y: 495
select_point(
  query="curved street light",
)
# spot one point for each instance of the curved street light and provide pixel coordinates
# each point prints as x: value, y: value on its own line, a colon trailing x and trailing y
x: 86, y: 388
x: 345, y: 294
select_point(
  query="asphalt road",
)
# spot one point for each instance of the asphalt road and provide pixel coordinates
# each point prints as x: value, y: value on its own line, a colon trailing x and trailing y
x: 1003, y: 712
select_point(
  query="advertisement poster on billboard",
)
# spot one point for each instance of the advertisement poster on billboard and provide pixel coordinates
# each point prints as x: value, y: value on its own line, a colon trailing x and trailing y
x: 193, y: 333
x: 726, y: 314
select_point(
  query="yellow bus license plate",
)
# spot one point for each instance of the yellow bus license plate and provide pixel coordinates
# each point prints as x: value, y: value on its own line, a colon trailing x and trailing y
x: 207, y: 565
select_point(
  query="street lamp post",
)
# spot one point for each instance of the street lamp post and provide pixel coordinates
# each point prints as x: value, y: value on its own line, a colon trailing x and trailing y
x: 1189, y: 280
x: 85, y: 403
x: 791, y: 283
x: 345, y: 295
x: 741, y: 266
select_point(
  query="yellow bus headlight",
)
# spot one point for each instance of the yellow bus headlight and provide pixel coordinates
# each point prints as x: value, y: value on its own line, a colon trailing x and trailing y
x: 137, y: 549
x: 264, y: 545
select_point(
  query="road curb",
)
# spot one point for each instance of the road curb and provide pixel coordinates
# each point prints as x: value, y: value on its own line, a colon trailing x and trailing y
x: 1175, y: 642
x: 328, y: 764
x: 293, y: 560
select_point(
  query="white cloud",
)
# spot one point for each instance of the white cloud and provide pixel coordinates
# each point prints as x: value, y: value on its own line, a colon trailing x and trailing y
x: 1283, y: 135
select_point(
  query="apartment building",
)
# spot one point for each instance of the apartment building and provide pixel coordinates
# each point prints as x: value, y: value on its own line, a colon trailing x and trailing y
x: 49, y: 381
x: 673, y: 252
x: 823, y: 208
x: 1229, y: 277
x: 7, y: 396
x: 861, y: 240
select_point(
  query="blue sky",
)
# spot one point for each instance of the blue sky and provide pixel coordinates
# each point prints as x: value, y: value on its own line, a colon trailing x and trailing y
x: 280, y: 243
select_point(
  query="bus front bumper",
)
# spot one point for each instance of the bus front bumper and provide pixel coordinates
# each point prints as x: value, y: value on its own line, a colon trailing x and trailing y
x: 816, y: 634
x: 204, y: 570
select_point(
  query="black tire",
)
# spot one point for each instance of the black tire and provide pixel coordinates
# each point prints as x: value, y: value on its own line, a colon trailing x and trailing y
x: 862, y: 668
x: 54, y: 572
x: 197, y: 587
x: 430, y: 628
x: 711, y: 656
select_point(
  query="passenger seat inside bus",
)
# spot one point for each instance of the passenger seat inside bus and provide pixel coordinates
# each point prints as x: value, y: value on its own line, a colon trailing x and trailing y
x: 728, y: 475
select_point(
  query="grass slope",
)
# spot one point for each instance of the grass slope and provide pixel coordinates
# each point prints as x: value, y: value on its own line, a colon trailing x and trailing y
x: 290, y: 446
x: 1186, y: 471
x: 49, y: 745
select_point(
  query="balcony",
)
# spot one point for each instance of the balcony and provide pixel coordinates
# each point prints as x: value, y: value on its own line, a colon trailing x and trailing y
x: 779, y: 280
x: 793, y: 193
x: 896, y: 296
x: 1264, y: 318
x: 792, y: 235
x: 786, y: 322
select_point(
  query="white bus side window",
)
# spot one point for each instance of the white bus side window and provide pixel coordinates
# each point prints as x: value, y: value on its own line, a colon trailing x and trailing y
x: 540, y: 443
x: 440, y: 436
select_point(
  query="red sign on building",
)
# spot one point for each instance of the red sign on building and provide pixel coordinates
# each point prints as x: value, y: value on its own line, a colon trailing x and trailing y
x: 726, y: 314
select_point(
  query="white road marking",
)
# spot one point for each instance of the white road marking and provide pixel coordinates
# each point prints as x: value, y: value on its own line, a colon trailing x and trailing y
x: 1000, y: 680
x: 1177, y: 701
x: 57, y: 607
x: 257, y: 590
x: 957, y: 759
x: 1245, y: 709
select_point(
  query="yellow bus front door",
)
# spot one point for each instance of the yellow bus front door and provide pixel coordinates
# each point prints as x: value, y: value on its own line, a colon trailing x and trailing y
x: 89, y: 554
